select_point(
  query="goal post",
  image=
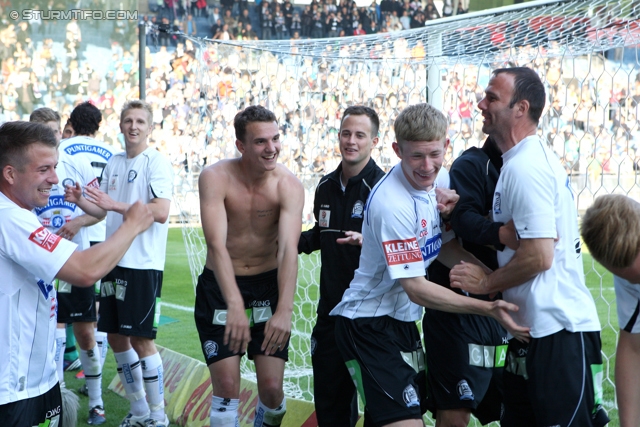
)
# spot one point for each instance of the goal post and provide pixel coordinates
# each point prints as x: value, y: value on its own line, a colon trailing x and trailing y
x: 584, y: 51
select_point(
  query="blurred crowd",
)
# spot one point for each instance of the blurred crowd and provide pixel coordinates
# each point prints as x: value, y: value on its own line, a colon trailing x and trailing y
x: 591, y: 119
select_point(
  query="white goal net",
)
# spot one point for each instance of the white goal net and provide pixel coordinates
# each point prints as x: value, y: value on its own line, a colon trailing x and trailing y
x: 584, y: 51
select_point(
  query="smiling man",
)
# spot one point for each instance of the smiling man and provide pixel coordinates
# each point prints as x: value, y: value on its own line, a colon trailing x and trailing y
x: 402, y: 234
x: 555, y: 379
x: 131, y: 292
x: 339, y: 211
x: 251, y: 212
x: 31, y: 257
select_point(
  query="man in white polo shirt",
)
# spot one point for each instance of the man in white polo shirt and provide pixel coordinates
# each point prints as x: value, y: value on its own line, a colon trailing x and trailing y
x: 31, y: 258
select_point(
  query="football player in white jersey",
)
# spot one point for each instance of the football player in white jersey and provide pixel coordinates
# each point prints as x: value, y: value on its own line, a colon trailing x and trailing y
x: 130, y: 294
x: 76, y: 305
x: 555, y: 379
x: 402, y: 234
x: 611, y: 230
x: 31, y: 257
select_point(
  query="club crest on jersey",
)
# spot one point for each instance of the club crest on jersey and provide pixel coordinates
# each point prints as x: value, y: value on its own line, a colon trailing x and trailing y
x: 402, y: 251
x: 210, y: 349
x: 132, y: 175
x: 358, y: 209
x: 464, y: 391
x: 410, y: 396
x: 45, y: 239
x: 323, y: 221
x: 497, y: 201
x: 68, y: 182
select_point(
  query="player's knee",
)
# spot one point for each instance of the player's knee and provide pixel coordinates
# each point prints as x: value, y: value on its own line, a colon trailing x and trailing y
x: 453, y: 418
x: 225, y: 386
x: 270, y: 391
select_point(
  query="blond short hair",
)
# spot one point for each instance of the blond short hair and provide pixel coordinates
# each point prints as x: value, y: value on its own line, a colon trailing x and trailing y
x: 137, y: 104
x: 611, y: 230
x: 420, y: 122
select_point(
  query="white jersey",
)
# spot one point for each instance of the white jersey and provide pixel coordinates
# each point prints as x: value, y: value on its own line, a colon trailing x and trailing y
x: 96, y: 154
x: 402, y: 234
x: 30, y: 258
x: 147, y: 176
x: 58, y: 212
x: 534, y: 191
x: 628, y: 302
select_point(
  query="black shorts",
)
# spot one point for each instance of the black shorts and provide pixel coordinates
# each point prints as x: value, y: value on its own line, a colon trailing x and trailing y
x: 260, y: 295
x: 76, y: 304
x: 386, y: 362
x: 45, y: 409
x: 130, y: 303
x: 333, y: 388
x: 465, y: 356
x: 554, y: 381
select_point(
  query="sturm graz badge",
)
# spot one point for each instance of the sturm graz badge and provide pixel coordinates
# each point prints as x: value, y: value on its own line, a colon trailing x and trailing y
x: 132, y: 175
x: 358, y: 209
x: 68, y: 182
x: 210, y: 349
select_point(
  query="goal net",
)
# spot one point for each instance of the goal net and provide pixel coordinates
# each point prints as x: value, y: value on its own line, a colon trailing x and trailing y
x: 584, y: 51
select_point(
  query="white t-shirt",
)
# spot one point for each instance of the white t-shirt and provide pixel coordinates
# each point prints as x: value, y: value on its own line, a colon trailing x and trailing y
x: 402, y: 235
x: 96, y: 154
x: 145, y: 177
x: 628, y: 303
x: 30, y: 258
x: 534, y: 191
x: 58, y: 212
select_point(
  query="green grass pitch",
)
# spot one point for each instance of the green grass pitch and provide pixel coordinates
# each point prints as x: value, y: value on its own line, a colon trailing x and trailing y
x: 181, y: 336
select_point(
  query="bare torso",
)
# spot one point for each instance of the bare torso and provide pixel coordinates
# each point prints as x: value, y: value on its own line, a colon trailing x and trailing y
x: 252, y: 214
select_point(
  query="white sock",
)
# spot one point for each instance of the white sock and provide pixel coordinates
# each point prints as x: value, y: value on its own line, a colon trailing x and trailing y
x: 103, y: 345
x: 91, y: 363
x: 266, y: 417
x: 224, y: 412
x: 152, y: 373
x: 130, y: 374
x: 61, y: 344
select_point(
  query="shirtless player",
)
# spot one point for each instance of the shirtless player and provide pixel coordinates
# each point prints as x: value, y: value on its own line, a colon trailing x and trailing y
x: 251, y: 210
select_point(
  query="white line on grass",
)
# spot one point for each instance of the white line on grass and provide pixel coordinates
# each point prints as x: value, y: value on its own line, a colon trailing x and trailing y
x: 178, y: 307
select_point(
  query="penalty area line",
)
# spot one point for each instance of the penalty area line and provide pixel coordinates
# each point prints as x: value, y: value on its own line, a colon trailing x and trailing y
x: 178, y: 307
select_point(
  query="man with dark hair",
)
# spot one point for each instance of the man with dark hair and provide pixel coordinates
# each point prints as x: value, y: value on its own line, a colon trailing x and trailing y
x: 339, y: 210
x: 611, y: 230
x: 130, y: 293
x: 77, y: 306
x: 251, y: 211
x: 556, y: 378
x: 30, y: 261
x: 83, y: 146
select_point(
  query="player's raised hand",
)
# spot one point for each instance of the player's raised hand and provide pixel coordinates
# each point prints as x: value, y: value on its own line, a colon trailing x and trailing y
x: 73, y: 193
x: 276, y: 332
x: 352, y: 238
x: 99, y: 198
x: 139, y: 215
x: 500, y: 311
x: 236, y: 331
x: 446, y: 199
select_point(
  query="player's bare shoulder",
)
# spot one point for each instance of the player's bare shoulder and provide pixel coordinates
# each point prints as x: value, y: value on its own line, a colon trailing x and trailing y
x: 219, y: 175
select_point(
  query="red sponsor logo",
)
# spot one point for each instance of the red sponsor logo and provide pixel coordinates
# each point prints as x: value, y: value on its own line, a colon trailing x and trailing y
x: 94, y: 183
x: 424, y: 223
x: 46, y: 240
x: 402, y: 251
